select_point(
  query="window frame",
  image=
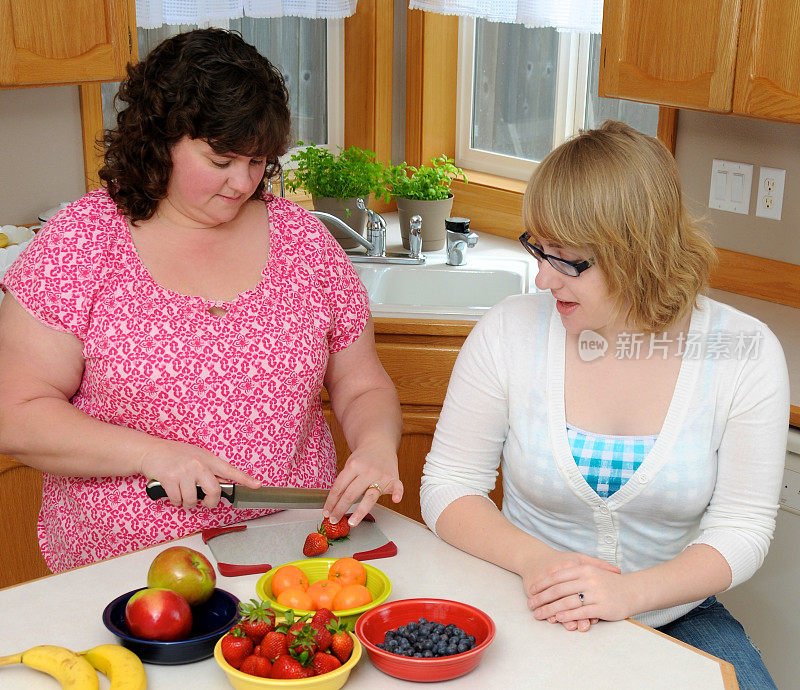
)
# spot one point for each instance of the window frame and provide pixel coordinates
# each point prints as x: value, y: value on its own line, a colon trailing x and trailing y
x: 572, y: 73
x: 492, y: 201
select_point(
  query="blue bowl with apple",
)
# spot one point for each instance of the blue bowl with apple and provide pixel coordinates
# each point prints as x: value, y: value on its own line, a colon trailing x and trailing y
x: 210, y: 621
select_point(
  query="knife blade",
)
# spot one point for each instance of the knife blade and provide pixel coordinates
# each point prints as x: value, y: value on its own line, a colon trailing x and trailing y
x: 240, y: 496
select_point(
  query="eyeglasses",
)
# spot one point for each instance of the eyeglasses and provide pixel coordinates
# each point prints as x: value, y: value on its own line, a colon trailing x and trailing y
x: 568, y: 268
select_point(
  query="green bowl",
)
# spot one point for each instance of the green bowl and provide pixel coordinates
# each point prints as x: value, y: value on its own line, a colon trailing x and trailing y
x: 317, y: 569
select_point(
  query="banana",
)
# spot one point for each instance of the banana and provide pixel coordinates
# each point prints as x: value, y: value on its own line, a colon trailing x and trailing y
x: 71, y: 670
x: 121, y: 665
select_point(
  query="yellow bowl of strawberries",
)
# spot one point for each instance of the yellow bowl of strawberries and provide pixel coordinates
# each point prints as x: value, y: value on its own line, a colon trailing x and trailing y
x: 292, y: 655
x: 313, y: 573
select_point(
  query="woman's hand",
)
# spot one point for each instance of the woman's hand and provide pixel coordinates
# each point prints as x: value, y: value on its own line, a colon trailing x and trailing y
x: 182, y: 467
x: 369, y: 464
x: 551, y: 566
x: 606, y: 594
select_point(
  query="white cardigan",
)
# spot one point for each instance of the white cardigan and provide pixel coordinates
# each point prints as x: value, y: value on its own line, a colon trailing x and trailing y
x: 713, y: 476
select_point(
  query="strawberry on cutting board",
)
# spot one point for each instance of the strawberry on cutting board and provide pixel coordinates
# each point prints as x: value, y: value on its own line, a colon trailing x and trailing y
x: 316, y: 544
x: 338, y: 530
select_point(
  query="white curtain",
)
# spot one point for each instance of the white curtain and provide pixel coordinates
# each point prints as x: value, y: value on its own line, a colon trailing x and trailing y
x: 151, y: 14
x: 563, y: 15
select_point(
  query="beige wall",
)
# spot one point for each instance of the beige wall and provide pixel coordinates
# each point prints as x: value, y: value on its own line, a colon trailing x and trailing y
x: 41, y: 155
x: 703, y: 137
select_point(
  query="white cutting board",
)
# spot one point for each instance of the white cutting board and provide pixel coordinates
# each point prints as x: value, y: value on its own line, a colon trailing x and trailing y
x: 278, y: 543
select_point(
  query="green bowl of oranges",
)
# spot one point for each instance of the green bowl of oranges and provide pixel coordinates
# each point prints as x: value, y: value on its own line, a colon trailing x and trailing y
x: 345, y: 586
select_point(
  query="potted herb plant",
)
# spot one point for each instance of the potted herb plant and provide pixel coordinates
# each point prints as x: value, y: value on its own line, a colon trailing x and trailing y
x: 424, y: 191
x: 335, y: 181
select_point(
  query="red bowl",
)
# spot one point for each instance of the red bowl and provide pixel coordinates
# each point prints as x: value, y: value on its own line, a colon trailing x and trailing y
x: 373, y: 625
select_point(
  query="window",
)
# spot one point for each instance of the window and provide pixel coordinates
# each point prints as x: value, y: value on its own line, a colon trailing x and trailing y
x: 310, y: 55
x: 523, y: 91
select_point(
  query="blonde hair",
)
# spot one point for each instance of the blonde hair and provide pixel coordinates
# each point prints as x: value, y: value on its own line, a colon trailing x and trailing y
x: 615, y: 194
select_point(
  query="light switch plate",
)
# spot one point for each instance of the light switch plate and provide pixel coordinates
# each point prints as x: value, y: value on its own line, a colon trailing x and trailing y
x: 769, y: 197
x: 730, y: 186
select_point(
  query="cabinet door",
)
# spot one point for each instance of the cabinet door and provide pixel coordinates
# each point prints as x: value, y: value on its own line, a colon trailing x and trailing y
x: 57, y: 42
x: 670, y: 52
x: 767, y: 70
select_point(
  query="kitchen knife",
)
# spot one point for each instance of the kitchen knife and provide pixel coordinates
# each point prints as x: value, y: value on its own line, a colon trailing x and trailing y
x: 264, y: 497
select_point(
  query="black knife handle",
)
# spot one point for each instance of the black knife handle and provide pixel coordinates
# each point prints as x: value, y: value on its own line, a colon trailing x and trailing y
x: 156, y: 491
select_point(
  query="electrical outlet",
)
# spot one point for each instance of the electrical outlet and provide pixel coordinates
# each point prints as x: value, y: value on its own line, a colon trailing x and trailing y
x: 790, y: 491
x: 769, y: 200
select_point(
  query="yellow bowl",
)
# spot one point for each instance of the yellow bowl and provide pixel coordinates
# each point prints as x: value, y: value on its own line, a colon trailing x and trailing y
x: 327, y: 681
x: 317, y: 569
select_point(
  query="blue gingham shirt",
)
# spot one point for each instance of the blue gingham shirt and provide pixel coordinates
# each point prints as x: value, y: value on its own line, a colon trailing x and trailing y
x: 607, y: 462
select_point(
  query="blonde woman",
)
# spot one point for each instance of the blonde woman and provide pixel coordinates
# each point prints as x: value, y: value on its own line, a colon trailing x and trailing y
x: 639, y: 425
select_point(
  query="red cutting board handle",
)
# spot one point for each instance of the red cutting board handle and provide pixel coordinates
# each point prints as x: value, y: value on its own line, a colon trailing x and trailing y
x: 388, y: 550
x: 232, y: 570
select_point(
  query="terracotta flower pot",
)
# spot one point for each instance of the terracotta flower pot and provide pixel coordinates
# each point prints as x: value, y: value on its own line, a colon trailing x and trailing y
x: 346, y: 211
x: 433, y: 213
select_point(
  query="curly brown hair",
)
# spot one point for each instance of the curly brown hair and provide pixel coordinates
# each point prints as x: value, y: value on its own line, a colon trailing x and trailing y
x: 206, y: 84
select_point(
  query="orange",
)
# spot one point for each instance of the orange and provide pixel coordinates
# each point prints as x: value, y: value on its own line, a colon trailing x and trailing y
x: 347, y: 571
x: 322, y: 593
x: 288, y: 576
x: 351, y: 597
x: 296, y: 598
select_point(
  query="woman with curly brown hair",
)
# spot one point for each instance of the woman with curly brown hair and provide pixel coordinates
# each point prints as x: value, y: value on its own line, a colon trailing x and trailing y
x: 179, y: 324
x: 640, y: 426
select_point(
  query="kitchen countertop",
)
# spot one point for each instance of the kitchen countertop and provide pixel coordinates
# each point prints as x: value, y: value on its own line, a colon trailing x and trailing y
x: 66, y: 610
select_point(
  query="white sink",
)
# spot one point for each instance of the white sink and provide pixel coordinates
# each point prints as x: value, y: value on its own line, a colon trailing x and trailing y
x: 439, y: 289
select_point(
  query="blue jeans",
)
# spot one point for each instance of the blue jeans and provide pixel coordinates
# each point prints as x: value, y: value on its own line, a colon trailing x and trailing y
x: 711, y: 628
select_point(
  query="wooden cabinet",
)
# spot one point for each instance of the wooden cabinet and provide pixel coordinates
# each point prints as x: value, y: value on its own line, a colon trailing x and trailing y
x: 45, y: 42
x: 419, y: 357
x: 727, y: 56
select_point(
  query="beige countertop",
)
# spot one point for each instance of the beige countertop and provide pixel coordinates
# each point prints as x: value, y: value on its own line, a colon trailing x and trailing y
x: 620, y: 655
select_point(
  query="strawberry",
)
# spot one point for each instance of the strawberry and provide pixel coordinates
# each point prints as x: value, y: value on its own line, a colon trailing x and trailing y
x: 316, y: 544
x: 335, y: 531
x: 256, y: 666
x: 300, y: 637
x: 288, y: 668
x: 273, y: 645
x: 325, y: 617
x: 324, y: 663
x: 258, y: 619
x: 321, y: 635
x: 236, y: 647
x: 342, y: 644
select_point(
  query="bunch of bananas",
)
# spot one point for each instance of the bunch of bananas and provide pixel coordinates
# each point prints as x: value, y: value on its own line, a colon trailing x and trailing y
x: 77, y: 671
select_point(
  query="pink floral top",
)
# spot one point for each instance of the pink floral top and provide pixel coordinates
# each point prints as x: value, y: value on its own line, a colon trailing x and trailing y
x: 245, y: 385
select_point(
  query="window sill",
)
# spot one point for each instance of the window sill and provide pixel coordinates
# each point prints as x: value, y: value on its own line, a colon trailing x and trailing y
x: 492, y: 203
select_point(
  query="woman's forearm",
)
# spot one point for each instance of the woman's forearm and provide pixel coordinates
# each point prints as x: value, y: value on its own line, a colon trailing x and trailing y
x: 696, y: 573
x: 372, y: 418
x: 475, y: 525
x: 54, y: 436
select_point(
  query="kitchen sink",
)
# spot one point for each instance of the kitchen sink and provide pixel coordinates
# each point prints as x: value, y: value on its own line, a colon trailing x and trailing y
x: 439, y: 289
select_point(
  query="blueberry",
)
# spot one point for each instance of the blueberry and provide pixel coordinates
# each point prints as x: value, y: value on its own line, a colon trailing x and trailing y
x: 412, y: 626
x: 422, y: 621
x: 439, y: 628
x: 463, y: 647
x: 471, y: 639
x: 427, y: 654
x: 452, y: 649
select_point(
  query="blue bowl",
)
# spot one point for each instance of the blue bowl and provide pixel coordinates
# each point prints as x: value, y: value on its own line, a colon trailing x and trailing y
x: 210, y: 621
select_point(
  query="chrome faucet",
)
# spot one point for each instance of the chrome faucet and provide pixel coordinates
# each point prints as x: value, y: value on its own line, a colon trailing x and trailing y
x: 459, y: 238
x: 376, y: 244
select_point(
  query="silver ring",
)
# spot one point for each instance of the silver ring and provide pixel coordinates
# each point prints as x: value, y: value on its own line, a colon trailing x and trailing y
x: 377, y: 486
x: 581, y: 597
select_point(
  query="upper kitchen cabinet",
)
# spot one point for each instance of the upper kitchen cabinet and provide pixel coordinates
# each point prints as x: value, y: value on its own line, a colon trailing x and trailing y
x: 45, y: 42
x: 678, y: 53
x: 726, y: 56
x: 767, y: 69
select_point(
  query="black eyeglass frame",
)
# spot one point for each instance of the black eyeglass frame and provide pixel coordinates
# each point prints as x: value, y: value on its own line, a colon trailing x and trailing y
x: 569, y: 268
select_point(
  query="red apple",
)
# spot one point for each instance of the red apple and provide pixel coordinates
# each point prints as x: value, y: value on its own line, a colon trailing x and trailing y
x: 185, y: 571
x: 158, y: 614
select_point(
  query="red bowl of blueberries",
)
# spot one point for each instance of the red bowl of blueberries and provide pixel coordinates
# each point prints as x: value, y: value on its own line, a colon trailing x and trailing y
x: 425, y: 640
